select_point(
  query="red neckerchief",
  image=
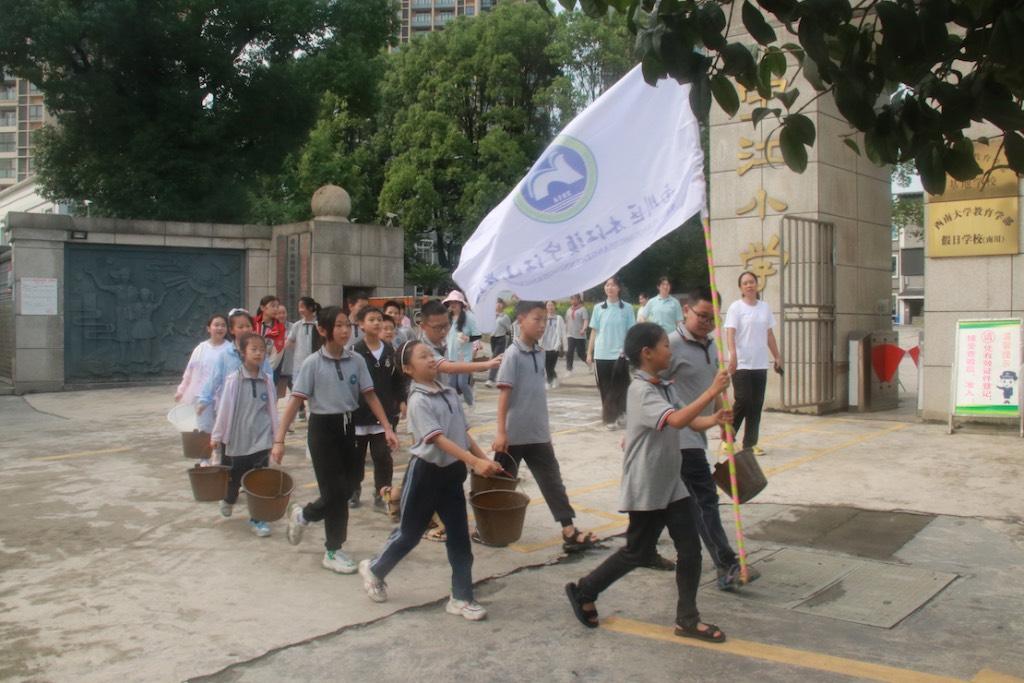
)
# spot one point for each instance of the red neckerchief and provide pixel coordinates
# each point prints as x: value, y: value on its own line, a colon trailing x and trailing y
x: 276, y: 333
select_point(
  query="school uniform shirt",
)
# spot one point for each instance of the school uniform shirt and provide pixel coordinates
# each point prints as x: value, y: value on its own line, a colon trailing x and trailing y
x: 387, y: 382
x: 651, y: 467
x: 332, y: 385
x: 664, y: 311
x: 751, y: 324
x: 228, y: 362
x: 247, y: 418
x: 303, y: 334
x: 575, y: 320
x: 522, y: 371
x: 611, y: 322
x: 435, y: 410
x: 554, y: 334
x: 201, y: 364
x: 694, y: 366
x: 440, y: 352
x: 458, y: 350
x: 502, y: 326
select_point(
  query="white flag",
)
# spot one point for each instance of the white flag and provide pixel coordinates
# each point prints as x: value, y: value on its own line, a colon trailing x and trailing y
x: 625, y: 172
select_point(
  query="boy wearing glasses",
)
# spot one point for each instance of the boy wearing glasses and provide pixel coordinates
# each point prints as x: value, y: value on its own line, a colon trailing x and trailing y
x: 693, y: 369
x: 434, y: 328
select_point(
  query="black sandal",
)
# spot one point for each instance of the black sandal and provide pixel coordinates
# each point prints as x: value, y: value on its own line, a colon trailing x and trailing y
x: 587, y: 617
x: 707, y: 634
x: 573, y: 544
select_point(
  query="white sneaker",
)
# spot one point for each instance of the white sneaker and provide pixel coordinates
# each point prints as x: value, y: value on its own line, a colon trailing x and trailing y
x: 337, y: 561
x: 296, y: 524
x: 471, y: 610
x: 375, y: 588
x: 547, y: 386
x: 611, y: 426
x: 489, y: 384
x: 554, y: 383
x: 226, y: 508
x: 261, y: 529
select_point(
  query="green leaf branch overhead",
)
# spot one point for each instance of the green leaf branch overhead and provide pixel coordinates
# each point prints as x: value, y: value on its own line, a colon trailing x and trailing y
x: 911, y: 75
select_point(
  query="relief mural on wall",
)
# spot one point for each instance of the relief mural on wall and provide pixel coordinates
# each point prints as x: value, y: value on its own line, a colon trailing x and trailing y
x: 137, y: 312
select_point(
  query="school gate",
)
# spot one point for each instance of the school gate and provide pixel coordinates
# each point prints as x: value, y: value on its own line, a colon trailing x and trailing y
x: 95, y: 301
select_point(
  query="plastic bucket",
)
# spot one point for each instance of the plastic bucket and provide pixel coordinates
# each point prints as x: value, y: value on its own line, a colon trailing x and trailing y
x: 209, y: 483
x: 267, y: 492
x: 499, y: 515
x: 478, y: 484
x: 750, y: 479
x: 183, y: 417
x: 195, y: 445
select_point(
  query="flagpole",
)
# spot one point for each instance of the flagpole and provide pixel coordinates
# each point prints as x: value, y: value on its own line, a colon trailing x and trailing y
x: 729, y: 434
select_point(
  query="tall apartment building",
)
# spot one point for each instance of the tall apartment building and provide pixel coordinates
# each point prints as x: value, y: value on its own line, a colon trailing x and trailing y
x: 21, y: 114
x: 423, y: 16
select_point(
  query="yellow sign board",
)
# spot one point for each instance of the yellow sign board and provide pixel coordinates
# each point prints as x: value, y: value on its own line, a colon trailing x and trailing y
x: 978, y: 217
x: 973, y: 227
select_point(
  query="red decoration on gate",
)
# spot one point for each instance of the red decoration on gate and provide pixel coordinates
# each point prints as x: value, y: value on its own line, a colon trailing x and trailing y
x: 885, y: 360
x: 915, y: 354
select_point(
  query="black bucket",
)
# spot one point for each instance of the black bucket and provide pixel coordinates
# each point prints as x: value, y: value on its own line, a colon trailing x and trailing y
x: 499, y: 515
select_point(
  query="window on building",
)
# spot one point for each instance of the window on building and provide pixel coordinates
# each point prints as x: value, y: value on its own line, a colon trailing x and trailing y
x: 35, y: 112
x: 445, y: 17
x: 6, y: 168
x: 470, y: 11
x: 894, y: 265
x: 7, y: 142
x: 912, y: 262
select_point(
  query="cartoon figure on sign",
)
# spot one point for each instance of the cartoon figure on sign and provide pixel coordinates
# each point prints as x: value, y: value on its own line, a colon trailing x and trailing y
x: 1005, y: 384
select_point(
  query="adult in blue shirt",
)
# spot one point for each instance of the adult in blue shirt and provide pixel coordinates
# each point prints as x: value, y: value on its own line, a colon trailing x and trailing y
x: 663, y: 309
x: 610, y: 321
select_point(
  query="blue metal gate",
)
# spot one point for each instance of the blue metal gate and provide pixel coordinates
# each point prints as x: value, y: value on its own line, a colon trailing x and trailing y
x: 136, y: 313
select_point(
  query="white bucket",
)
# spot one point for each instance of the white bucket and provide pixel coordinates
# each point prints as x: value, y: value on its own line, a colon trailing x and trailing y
x: 183, y: 417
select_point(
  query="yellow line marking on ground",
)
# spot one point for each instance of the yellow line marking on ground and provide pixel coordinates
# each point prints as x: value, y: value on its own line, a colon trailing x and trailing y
x: 990, y: 676
x: 832, y: 449
x: 82, y: 454
x: 779, y: 654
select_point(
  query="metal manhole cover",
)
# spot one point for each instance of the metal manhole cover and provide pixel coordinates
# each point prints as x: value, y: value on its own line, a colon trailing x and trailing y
x: 790, y: 576
x: 877, y: 594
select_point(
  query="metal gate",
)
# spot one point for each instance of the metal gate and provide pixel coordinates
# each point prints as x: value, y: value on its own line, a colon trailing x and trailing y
x: 808, y: 311
x: 135, y: 313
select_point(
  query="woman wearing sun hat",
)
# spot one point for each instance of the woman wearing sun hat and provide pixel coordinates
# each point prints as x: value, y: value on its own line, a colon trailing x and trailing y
x: 463, y: 340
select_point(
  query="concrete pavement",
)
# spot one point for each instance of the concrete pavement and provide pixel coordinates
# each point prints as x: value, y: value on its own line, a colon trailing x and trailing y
x: 111, y: 570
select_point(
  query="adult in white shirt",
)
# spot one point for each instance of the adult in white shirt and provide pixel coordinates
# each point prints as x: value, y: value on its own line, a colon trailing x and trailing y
x: 752, y: 350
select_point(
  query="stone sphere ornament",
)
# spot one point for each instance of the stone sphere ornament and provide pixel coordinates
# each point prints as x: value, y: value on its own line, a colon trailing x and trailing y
x: 331, y: 203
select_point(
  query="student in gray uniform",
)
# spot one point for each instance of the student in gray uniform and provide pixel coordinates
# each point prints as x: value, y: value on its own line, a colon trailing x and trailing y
x: 331, y: 381
x: 499, y: 337
x: 652, y: 493
x: 693, y: 369
x: 522, y: 429
x: 441, y: 451
x: 246, y: 420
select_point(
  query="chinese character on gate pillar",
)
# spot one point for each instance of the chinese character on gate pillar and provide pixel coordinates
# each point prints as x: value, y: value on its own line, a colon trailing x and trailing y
x: 757, y: 154
x: 761, y: 260
x: 759, y: 202
x: 752, y: 97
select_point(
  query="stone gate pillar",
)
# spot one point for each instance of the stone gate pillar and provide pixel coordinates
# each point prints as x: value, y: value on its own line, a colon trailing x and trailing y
x: 752, y: 191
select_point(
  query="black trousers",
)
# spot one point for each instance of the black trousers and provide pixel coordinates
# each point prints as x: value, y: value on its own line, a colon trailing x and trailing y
x: 383, y: 463
x: 498, y: 345
x: 576, y: 347
x: 550, y: 361
x: 612, y: 383
x: 697, y: 477
x: 641, y: 542
x: 337, y: 465
x: 749, y: 386
x: 427, y: 489
x: 240, y: 464
x: 540, y: 458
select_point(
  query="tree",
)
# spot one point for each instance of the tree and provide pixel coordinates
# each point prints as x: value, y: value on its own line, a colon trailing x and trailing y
x: 170, y: 110
x: 464, y: 114
x: 911, y: 75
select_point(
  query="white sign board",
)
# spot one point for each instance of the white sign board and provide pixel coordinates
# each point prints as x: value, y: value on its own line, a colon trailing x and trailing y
x: 38, y: 295
x: 987, y: 369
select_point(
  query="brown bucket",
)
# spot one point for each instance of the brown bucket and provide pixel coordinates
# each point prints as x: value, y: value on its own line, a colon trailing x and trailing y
x: 499, y: 515
x: 209, y: 483
x: 477, y: 484
x: 195, y: 445
x: 750, y: 480
x: 267, y: 492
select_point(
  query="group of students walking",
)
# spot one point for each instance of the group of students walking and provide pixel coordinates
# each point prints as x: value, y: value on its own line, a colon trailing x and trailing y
x: 355, y: 386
